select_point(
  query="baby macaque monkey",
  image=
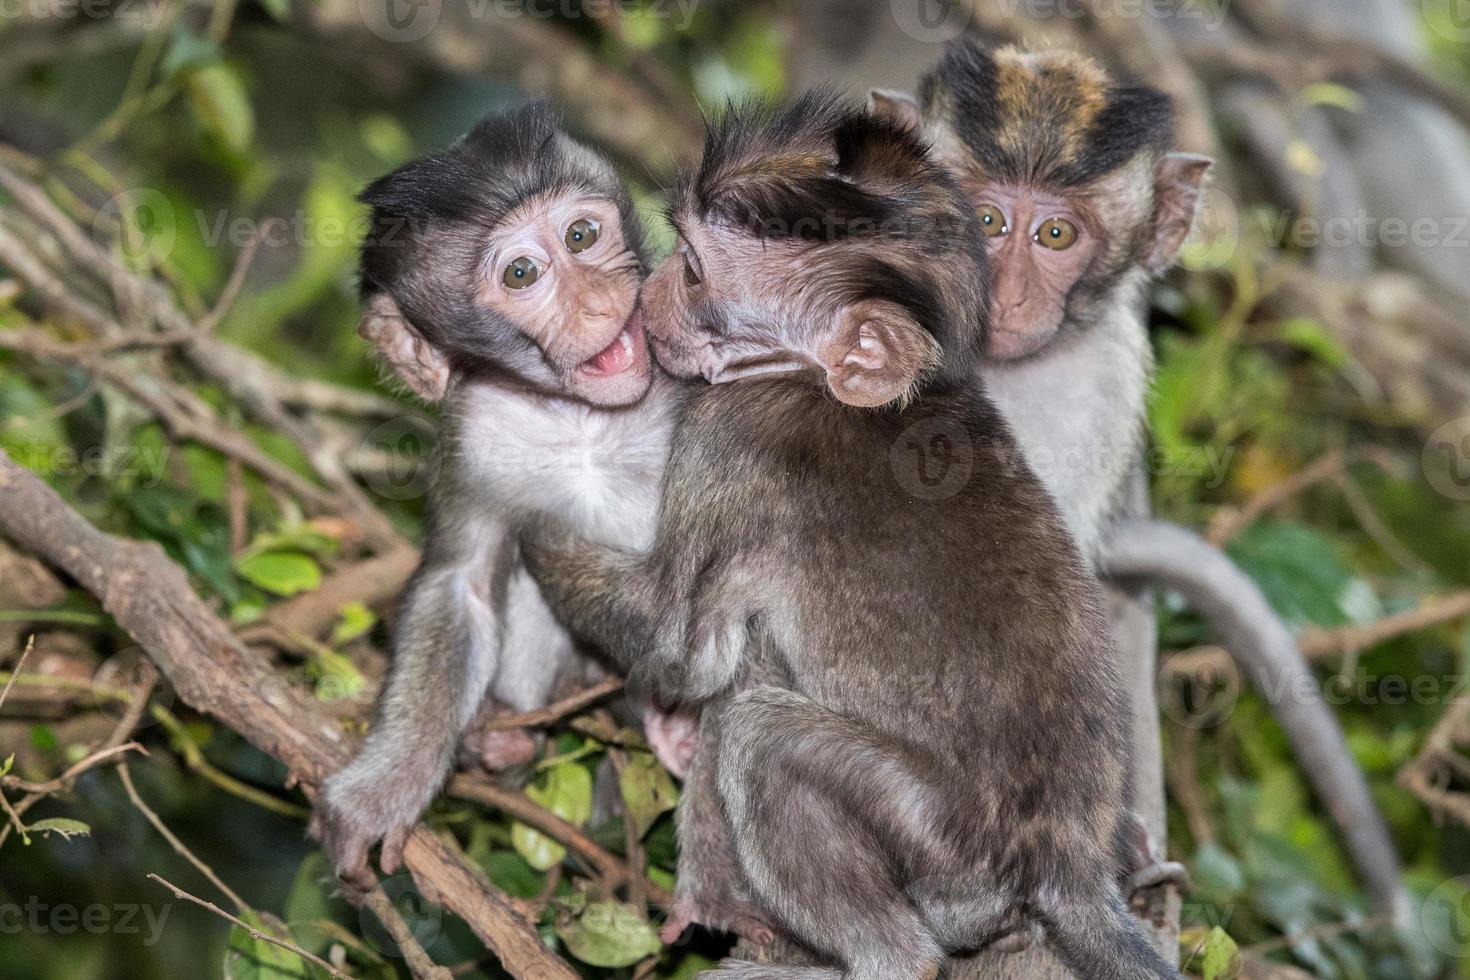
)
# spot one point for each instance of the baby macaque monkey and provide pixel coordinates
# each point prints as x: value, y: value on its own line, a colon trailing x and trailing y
x: 501, y: 277
x: 894, y: 785
x: 1082, y: 205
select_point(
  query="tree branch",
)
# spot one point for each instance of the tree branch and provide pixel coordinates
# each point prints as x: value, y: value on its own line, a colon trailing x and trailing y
x: 149, y: 597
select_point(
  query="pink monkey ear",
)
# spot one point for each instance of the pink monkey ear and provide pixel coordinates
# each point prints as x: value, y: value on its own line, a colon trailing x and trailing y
x: 877, y: 355
x: 897, y: 107
x: 1178, y: 181
x: 399, y: 346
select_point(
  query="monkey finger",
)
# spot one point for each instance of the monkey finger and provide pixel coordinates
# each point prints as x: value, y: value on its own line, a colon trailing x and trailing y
x: 390, y: 859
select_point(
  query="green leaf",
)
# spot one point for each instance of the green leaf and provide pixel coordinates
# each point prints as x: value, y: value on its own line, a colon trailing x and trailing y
x: 1216, y: 874
x: 647, y: 789
x: 1303, y: 575
x: 67, y: 828
x: 218, y: 99
x: 1221, y: 957
x: 565, y: 790
x: 512, y: 874
x: 336, y: 676
x: 284, y: 573
x: 1311, y: 336
x: 279, y: 10
x: 248, y: 958
x: 355, y: 620
x: 608, y: 934
x: 308, y: 902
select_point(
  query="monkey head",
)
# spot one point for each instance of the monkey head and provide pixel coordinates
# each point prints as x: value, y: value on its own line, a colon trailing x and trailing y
x: 1069, y: 175
x: 515, y: 253
x: 818, y: 238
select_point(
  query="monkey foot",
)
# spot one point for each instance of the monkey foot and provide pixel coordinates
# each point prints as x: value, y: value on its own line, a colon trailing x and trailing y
x: 1157, y: 873
x: 500, y: 751
x: 672, y: 736
x: 747, y: 925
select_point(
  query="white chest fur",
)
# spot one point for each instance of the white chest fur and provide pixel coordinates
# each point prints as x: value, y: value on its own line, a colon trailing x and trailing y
x: 598, y: 469
x: 1078, y: 411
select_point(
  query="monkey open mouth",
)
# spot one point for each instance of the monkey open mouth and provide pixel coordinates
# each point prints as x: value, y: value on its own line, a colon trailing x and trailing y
x: 626, y: 350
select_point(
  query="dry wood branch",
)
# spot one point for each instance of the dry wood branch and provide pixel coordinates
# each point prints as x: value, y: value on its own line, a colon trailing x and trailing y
x: 149, y: 597
x: 255, y: 383
x: 1429, y: 775
x: 369, y: 582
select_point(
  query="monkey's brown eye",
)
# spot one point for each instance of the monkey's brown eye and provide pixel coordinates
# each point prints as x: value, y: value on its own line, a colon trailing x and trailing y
x: 992, y: 220
x: 691, y: 276
x: 521, y: 273
x: 1057, y: 233
x: 582, y: 235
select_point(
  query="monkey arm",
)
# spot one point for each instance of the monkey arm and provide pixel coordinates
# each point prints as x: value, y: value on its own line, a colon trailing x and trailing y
x: 445, y: 651
x: 601, y: 594
x: 1178, y: 559
x: 672, y: 624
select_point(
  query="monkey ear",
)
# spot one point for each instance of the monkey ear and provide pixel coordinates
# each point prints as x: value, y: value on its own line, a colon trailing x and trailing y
x: 896, y: 107
x: 877, y: 354
x: 399, y: 345
x: 1178, y: 180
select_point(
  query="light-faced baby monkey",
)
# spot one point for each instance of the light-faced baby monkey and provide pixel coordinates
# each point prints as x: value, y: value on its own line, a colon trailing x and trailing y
x: 1083, y: 206
x: 501, y: 276
x: 893, y: 787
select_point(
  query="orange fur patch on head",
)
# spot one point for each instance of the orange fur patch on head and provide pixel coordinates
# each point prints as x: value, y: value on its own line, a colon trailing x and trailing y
x: 1062, y: 90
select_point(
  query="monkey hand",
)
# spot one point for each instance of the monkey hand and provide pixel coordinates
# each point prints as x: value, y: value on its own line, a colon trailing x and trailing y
x: 352, y: 814
x: 672, y: 735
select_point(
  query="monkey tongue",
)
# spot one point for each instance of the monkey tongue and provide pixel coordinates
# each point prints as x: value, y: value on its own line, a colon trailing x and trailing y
x: 617, y: 356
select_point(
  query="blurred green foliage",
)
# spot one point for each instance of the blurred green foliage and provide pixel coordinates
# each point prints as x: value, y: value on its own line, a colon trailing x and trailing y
x: 262, y: 131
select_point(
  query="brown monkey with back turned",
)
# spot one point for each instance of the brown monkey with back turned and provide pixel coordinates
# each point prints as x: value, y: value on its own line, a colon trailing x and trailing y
x: 891, y: 787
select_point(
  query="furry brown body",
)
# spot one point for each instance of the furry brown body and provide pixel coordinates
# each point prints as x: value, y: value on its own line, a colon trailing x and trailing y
x: 890, y: 785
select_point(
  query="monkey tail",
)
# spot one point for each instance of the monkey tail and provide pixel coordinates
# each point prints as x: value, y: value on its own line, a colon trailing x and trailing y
x: 1213, y: 585
x: 1099, y: 940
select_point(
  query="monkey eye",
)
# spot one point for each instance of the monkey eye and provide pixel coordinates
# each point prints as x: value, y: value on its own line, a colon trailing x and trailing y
x: 992, y: 220
x: 1056, y: 233
x: 521, y: 273
x: 582, y: 235
x: 691, y: 275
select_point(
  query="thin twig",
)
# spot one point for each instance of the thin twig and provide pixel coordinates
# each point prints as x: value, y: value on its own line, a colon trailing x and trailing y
x: 65, y: 780
x: 236, y: 282
x: 414, y: 955
x: 173, y: 841
x: 1324, y: 931
x: 10, y: 682
x: 254, y: 932
x: 557, y: 710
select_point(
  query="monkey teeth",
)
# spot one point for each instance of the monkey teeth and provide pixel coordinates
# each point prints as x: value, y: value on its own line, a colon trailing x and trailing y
x: 615, y: 358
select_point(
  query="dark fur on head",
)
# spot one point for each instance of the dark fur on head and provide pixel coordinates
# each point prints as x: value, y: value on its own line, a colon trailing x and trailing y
x: 1051, y: 118
x: 883, y: 220
x: 430, y: 218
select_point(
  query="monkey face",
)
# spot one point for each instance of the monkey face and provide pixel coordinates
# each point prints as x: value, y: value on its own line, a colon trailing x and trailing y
x: 560, y: 270
x: 1040, y: 246
x: 727, y: 306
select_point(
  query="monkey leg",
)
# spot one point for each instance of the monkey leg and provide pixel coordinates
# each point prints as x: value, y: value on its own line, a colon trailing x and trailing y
x: 822, y: 810
x: 1179, y: 559
x: 711, y: 889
